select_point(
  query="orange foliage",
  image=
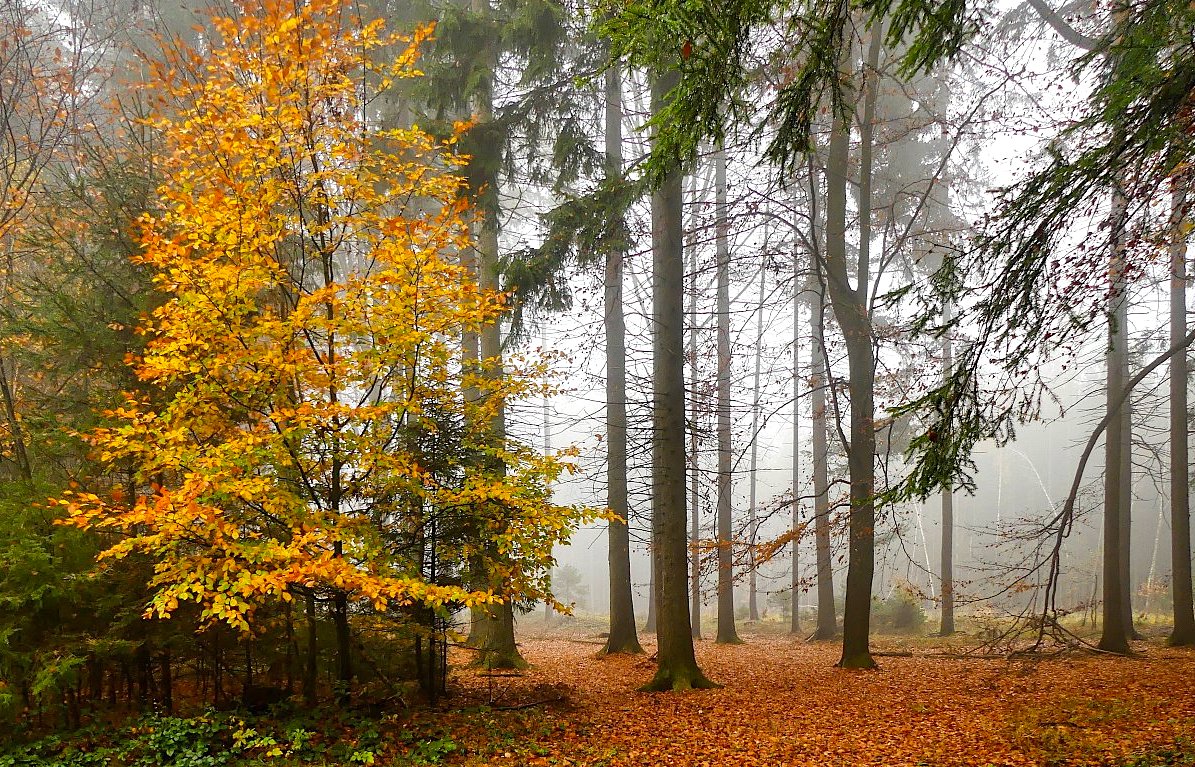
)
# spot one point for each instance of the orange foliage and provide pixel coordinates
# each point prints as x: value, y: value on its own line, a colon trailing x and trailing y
x: 308, y: 348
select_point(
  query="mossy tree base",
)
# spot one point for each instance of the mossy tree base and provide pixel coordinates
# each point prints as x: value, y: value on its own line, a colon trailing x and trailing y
x: 679, y: 680
x: 493, y: 636
x: 495, y: 660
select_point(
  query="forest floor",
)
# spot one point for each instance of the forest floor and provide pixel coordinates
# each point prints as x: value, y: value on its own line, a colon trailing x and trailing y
x: 784, y: 703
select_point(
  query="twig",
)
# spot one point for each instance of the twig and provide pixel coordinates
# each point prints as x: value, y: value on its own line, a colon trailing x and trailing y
x: 518, y: 706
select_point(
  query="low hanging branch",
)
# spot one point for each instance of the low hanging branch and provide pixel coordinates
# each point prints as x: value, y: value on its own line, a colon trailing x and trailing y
x: 1064, y: 520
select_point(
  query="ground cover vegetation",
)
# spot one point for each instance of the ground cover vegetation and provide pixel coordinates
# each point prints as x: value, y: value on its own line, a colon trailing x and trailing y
x: 576, y: 708
x: 326, y: 325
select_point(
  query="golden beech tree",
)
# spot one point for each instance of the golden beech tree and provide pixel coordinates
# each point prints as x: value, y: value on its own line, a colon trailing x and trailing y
x: 311, y: 435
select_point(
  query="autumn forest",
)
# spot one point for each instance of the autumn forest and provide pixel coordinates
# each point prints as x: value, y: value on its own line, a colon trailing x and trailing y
x: 643, y: 382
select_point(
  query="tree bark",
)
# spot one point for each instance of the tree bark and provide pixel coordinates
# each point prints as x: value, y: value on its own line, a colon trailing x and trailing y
x: 1115, y: 636
x: 95, y: 679
x: 827, y: 620
x: 311, y: 662
x: 498, y: 648
x: 752, y: 517
x: 850, y: 309
x: 649, y: 625
x: 217, y: 668
x: 1183, y: 633
x: 292, y: 648
x: 143, y: 659
x: 1126, y: 499
x: 16, y: 431
x: 470, y: 363
x: 947, y: 627
x: 495, y: 624
x: 726, y: 628
x: 623, y: 637
x: 694, y: 455
x: 677, y: 668
x: 795, y: 579
x: 344, y: 647
x: 164, y: 671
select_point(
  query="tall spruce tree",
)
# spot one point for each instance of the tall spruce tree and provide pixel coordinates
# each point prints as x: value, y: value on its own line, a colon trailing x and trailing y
x: 623, y: 636
x: 677, y: 668
x: 726, y: 628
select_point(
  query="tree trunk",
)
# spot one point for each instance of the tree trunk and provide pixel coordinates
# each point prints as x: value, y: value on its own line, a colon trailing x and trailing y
x: 827, y: 621
x: 167, y: 682
x: 547, y: 428
x: 471, y: 362
x: 677, y: 668
x: 856, y: 619
x: 695, y: 554
x: 498, y: 648
x: 492, y: 627
x: 1115, y: 636
x: 144, y: 675
x: 947, y: 627
x: 1126, y: 499
x: 248, y: 661
x: 726, y: 628
x: 126, y: 673
x: 850, y: 309
x: 1183, y: 633
x: 694, y: 454
x: 15, y: 429
x: 217, y: 668
x: 649, y: 625
x: 795, y: 580
x: 311, y: 664
x: 344, y: 646
x: 623, y: 637
x: 95, y: 679
x: 292, y: 648
x: 752, y: 517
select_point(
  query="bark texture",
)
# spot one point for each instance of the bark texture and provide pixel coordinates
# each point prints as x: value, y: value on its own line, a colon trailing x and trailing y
x: 1115, y: 635
x: 677, y: 668
x: 1183, y: 633
x: 947, y: 627
x: 827, y: 620
x: 623, y: 637
x: 851, y: 311
x: 727, y: 634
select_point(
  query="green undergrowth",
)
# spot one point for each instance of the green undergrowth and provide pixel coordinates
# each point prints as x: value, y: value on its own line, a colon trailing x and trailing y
x: 216, y: 739
x: 412, y: 738
x: 1180, y: 754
